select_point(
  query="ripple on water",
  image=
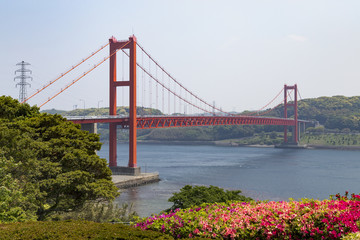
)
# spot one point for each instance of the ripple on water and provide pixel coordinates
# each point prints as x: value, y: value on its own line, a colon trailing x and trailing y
x: 261, y: 173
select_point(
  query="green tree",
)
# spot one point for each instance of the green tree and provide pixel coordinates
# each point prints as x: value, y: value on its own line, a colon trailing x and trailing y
x: 102, y: 212
x: 194, y: 196
x: 11, y: 108
x: 14, y: 205
x: 56, y: 162
x: 273, y: 135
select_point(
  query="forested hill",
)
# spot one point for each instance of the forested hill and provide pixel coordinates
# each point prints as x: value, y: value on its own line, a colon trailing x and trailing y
x: 333, y: 112
x: 103, y: 111
x: 337, y: 112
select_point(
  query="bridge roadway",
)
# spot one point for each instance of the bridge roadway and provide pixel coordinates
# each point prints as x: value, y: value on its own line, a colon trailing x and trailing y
x: 147, y: 122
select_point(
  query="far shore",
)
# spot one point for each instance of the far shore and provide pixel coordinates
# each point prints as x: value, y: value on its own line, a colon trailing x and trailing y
x: 230, y: 143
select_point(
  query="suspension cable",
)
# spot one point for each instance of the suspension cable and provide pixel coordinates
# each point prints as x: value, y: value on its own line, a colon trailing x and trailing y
x: 263, y: 113
x: 175, y: 94
x: 168, y: 89
x: 257, y: 111
x: 74, y: 81
x: 201, y: 100
x: 299, y: 94
x: 63, y: 74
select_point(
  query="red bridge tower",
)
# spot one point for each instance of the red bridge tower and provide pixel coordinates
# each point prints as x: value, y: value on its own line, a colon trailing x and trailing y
x: 295, y: 133
x: 114, y: 46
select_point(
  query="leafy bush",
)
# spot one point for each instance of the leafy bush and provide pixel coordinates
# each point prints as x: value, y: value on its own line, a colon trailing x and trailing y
x: 190, y: 196
x: 101, y: 212
x: 305, y: 219
x: 14, y: 205
x: 74, y: 230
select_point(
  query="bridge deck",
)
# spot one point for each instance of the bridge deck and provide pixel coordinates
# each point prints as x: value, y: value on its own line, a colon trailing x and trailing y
x: 184, y: 121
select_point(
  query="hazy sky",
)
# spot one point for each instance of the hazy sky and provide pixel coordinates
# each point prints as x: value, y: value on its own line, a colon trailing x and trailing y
x: 236, y: 53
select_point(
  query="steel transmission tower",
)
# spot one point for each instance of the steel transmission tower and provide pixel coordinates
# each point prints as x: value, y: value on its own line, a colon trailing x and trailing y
x: 23, y: 76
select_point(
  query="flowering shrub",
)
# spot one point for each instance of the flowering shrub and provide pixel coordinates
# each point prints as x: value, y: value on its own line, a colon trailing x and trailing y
x: 353, y: 197
x: 305, y: 219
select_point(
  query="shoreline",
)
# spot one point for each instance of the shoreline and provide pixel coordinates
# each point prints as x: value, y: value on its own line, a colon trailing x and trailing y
x: 233, y: 144
x: 230, y: 143
x: 334, y: 147
x: 127, y: 181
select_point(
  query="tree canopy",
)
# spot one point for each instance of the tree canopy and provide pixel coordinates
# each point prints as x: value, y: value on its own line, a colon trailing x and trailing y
x: 55, y: 166
x: 190, y: 196
x: 337, y: 112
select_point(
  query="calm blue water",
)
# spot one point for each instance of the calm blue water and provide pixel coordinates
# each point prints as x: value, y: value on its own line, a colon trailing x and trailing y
x: 261, y: 173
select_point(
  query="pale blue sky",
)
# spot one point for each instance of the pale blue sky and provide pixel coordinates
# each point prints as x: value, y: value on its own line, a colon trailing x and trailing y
x: 237, y: 53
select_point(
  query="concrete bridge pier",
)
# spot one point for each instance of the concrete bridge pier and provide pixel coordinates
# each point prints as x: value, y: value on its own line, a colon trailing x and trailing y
x: 90, y: 127
x: 117, y: 170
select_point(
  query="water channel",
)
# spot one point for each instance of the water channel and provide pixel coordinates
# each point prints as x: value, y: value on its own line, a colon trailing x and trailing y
x: 261, y: 173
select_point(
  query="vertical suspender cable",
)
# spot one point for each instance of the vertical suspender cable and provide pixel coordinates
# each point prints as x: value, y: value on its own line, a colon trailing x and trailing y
x: 156, y: 85
x: 185, y: 105
x: 163, y: 100
x: 122, y: 89
x: 150, y: 87
x: 169, y: 96
x: 180, y: 101
x: 143, y: 81
x: 174, y: 98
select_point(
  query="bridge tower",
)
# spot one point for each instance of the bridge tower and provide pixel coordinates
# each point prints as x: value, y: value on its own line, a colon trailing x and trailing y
x: 114, y: 46
x: 295, y: 134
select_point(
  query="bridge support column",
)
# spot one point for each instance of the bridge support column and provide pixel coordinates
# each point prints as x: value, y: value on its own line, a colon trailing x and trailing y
x: 112, y: 145
x: 114, y: 46
x: 295, y: 131
x: 133, y: 121
x: 90, y: 127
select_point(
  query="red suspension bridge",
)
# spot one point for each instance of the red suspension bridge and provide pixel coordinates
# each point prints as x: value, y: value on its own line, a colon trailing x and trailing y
x: 170, y: 92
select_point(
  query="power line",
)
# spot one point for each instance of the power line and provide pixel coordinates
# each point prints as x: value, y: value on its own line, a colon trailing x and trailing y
x: 23, y: 76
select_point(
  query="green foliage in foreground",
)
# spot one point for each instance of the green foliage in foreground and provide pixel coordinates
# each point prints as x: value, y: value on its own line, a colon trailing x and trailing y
x: 74, y: 230
x: 14, y: 205
x: 190, y: 196
x: 48, y: 165
x: 101, y: 212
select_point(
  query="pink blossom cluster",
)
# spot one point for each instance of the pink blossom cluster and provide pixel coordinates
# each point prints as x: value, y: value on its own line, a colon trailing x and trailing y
x: 305, y: 219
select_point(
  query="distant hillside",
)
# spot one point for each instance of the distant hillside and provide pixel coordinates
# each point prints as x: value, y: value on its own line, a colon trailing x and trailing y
x: 337, y: 112
x: 103, y: 111
x: 54, y: 111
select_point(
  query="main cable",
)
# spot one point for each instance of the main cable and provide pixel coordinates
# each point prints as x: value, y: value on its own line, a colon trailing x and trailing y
x: 168, y: 89
x: 192, y: 94
x: 63, y: 74
x: 263, y: 113
x: 74, y: 81
x: 257, y: 111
